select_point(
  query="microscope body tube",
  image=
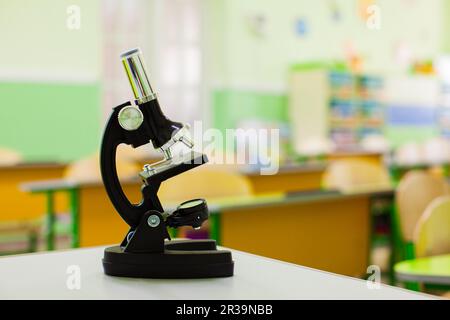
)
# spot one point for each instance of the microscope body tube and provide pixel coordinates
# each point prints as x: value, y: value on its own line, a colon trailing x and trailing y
x: 136, y: 71
x: 164, y: 132
x: 161, y: 128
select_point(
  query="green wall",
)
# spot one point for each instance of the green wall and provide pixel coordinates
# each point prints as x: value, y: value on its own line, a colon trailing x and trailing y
x: 401, y: 135
x: 446, y: 27
x: 49, y: 79
x: 47, y: 121
x: 37, y: 44
x: 232, y: 106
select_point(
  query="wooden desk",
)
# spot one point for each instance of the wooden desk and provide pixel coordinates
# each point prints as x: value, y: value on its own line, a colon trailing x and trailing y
x: 255, y: 278
x: 294, y: 176
x: 324, y: 230
x: 94, y: 219
x: 16, y: 205
x: 289, y: 178
x: 301, y: 176
x: 375, y: 157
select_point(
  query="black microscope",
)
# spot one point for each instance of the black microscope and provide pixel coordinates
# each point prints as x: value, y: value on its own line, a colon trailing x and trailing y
x: 147, y: 250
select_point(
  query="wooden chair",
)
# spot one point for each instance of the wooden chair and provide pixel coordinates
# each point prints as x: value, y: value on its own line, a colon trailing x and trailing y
x: 432, y: 156
x: 205, y: 183
x: 353, y: 174
x: 9, y: 157
x: 86, y: 170
x: 315, y: 147
x: 375, y: 143
x: 431, y: 237
x: 409, y: 154
x: 436, y: 151
x: 415, y: 192
x: 19, y: 237
x: 432, y: 233
x: 208, y: 183
x: 16, y: 236
x: 350, y: 175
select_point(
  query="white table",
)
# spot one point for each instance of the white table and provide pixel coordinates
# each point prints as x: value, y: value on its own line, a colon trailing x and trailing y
x: 44, y: 276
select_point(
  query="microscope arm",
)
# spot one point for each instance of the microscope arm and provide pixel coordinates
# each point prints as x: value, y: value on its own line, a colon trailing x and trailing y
x: 113, y: 136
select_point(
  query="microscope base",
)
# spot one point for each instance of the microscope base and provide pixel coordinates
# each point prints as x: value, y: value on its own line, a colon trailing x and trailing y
x: 181, y: 259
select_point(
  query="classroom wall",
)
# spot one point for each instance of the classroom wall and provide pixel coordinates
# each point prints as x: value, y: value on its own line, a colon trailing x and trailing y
x: 54, y: 69
x: 49, y: 79
x: 446, y: 27
x: 251, y: 60
x: 257, y: 65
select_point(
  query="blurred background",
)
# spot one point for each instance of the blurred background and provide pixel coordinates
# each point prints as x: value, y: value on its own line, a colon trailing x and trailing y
x: 358, y: 89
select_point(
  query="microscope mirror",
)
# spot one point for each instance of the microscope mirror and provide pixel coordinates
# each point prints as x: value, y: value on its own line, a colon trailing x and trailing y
x: 191, y: 204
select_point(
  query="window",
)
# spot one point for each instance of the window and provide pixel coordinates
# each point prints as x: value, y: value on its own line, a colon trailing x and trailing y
x: 169, y: 34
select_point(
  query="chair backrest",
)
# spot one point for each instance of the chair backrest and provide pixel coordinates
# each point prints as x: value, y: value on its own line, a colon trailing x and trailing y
x: 142, y: 154
x: 432, y: 233
x: 355, y: 174
x: 204, y: 183
x: 436, y: 151
x: 375, y: 143
x: 9, y: 157
x: 409, y: 154
x: 414, y: 193
x: 315, y: 146
x: 88, y: 169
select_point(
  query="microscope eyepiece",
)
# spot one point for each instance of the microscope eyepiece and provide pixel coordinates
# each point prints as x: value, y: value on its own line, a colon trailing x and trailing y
x: 133, y: 63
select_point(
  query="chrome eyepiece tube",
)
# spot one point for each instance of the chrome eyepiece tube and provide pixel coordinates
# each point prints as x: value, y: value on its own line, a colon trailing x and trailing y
x: 133, y: 63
